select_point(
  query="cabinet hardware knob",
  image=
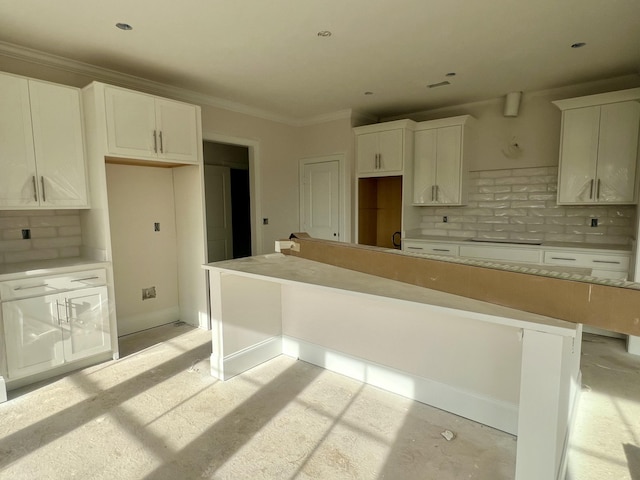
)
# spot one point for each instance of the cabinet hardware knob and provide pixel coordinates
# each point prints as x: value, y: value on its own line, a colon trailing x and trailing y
x: 607, y: 261
x: 598, y: 190
x: 84, y: 279
x: 563, y: 258
x: 35, y: 189
x: 155, y: 141
x: 161, y: 146
x: 44, y: 195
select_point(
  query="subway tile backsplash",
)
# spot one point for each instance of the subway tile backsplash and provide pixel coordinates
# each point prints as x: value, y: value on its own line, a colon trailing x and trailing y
x: 520, y: 204
x: 54, y: 234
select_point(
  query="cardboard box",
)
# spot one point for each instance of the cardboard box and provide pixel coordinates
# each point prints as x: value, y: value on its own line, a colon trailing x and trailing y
x: 611, y: 308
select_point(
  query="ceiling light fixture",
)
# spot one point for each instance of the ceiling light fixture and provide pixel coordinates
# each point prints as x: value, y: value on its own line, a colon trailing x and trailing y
x: 578, y: 45
x: 324, y: 33
x: 124, y: 26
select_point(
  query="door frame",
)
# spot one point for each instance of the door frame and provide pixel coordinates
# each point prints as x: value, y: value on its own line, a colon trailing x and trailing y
x: 254, y: 182
x: 345, y: 232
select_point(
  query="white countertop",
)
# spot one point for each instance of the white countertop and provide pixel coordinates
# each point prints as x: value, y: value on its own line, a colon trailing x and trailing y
x: 11, y: 271
x: 574, y: 246
x: 288, y: 269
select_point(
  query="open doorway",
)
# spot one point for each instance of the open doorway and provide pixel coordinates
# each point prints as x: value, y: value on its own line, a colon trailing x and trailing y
x: 227, y: 200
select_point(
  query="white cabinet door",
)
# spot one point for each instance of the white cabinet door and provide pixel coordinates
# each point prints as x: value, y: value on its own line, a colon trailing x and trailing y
x: 33, y: 337
x: 617, y: 150
x: 18, y: 178
x: 448, y: 189
x: 59, y: 145
x: 367, y: 148
x: 598, y: 154
x: 85, y: 323
x: 390, y: 151
x: 438, y: 166
x: 131, y: 123
x: 578, y: 155
x: 177, y: 131
x: 425, y: 159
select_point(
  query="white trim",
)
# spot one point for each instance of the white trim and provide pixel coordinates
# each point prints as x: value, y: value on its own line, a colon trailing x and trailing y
x: 247, y: 358
x: 255, y: 189
x: 480, y: 408
x: 628, y: 95
x: 564, y: 460
x: 142, y: 321
x: 344, y: 204
x: 150, y: 86
x: 3, y: 390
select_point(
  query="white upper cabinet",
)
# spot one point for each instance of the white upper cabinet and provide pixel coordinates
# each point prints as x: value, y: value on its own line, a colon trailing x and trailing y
x: 599, y: 149
x: 144, y: 126
x: 440, y: 166
x: 382, y: 149
x: 41, y: 145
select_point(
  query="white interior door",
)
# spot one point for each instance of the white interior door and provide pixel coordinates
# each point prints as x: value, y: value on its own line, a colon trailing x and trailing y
x: 320, y: 199
x: 218, y: 205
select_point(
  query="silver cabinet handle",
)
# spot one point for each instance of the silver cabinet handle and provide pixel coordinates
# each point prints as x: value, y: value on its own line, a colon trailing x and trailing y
x: 563, y: 258
x: 437, y: 188
x: 58, y: 312
x: 441, y: 250
x: 598, y: 190
x: 35, y: 189
x: 84, y: 279
x: 591, y: 190
x: 432, y: 192
x: 67, y: 304
x: 161, y: 147
x: 606, y: 261
x: 155, y: 141
x: 415, y: 248
x: 44, y: 195
x: 28, y: 287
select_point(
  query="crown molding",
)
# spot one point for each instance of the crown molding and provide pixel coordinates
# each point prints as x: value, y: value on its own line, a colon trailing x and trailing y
x: 130, y: 81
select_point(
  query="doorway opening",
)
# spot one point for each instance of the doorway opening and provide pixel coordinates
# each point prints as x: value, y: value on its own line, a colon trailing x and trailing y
x: 228, y: 200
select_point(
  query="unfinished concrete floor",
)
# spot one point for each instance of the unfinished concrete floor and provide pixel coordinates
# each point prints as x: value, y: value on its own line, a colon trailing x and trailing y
x: 157, y: 414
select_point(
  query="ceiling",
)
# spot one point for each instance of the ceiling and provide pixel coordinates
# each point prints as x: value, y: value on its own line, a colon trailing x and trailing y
x: 268, y: 55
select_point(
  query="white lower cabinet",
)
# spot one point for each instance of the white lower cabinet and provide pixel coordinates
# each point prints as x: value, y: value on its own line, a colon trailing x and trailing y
x: 52, y: 321
x: 46, y: 331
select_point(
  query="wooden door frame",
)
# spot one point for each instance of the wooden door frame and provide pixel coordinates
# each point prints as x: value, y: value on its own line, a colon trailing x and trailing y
x: 345, y: 231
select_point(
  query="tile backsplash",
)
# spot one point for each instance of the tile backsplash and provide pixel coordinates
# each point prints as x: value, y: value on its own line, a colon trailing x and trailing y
x: 520, y: 204
x: 54, y: 234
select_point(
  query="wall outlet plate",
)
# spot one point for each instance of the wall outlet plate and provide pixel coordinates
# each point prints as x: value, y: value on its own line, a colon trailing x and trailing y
x: 149, y: 292
x: 594, y: 222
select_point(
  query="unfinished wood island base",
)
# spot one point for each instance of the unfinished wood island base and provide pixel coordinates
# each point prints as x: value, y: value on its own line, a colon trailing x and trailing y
x: 508, y: 369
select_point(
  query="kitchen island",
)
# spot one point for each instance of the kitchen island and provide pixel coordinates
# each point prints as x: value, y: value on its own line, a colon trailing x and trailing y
x: 496, y: 365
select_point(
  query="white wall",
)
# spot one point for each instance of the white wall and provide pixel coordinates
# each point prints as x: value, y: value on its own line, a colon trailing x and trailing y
x: 138, y: 197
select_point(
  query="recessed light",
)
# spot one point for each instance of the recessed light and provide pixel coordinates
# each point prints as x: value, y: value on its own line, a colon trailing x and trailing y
x: 124, y: 26
x: 450, y: 74
x: 368, y: 93
x: 578, y: 45
x: 324, y: 33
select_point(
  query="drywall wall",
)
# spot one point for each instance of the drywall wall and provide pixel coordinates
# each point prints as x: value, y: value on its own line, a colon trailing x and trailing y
x: 142, y: 257
x: 232, y: 156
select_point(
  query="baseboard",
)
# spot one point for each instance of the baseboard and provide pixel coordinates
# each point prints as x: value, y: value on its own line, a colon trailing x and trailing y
x: 562, y: 471
x: 245, y: 359
x: 143, y: 321
x: 480, y: 408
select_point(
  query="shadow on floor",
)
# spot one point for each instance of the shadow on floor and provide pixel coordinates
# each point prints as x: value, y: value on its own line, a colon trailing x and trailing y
x: 633, y: 460
x: 135, y: 342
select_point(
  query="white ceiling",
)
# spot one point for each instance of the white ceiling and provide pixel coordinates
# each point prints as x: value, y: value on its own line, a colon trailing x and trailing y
x: 266, y: 53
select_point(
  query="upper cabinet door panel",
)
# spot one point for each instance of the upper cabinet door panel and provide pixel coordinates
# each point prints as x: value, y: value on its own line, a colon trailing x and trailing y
x: 617, y: 150
x: 390, y: 150
x: 18, y: 179
x: 367, y: 148
x: 177, y: 130
x: 449, y: 167
x: 424, y: 179
x: 131, y: 123
x: 578, y: 155
x: 59, y: 145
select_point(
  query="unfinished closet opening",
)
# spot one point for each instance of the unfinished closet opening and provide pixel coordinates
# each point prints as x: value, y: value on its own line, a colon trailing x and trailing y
x: 380, y: 211
x: 150, y: 213
x: 227, y: 200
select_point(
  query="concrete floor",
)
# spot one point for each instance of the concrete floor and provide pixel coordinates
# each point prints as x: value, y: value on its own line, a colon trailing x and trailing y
x: 157, y: 414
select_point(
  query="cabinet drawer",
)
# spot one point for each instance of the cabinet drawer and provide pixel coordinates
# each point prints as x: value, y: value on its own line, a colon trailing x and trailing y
x: 520, y: 255
x: 34, y: 286
x: 430, y: 248
x: 590, y: 260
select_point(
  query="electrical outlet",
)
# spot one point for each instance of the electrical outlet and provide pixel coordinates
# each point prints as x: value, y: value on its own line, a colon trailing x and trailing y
x: 265, y: 221
x: 26, y: 234
x: 594, y: 222
x: 445, y: 219
x: 148, y: 293
x: 156, y: 226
